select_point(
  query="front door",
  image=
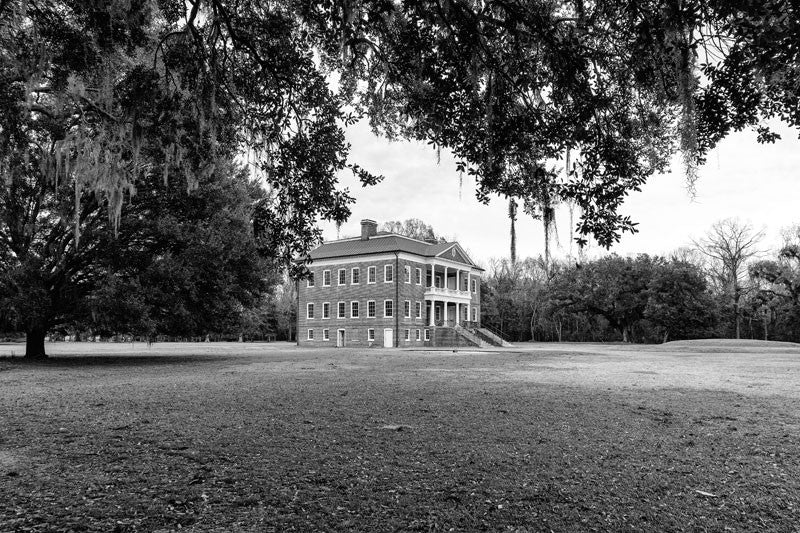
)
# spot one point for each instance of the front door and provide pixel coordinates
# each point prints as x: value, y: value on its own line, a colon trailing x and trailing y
x: 388, y: 338
x: 340, y: 338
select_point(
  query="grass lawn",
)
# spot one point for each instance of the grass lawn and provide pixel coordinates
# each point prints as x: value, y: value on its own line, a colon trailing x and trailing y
x: 700, y: 436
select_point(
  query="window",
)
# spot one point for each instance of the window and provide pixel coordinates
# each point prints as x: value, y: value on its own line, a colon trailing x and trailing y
x: 418, y: 336
x: 309, y: 310
x: 342, y: 310
x: 326, y: 309
x: 407, y: 309
x: 371, y: 309
x: 388, y: 308
x: 342, y: 276
x: 474, y: 285
x: 418, y: 310
x: 326, y: 336
x: 407, y: 274
x: 427, y: 334
x: 474, y: 315
x: 418, y: 279
x: 354, y: 275
x: 310, y: 335
x: 353, y: 309
x: 326, y: 278
x: 310, y: 280
x: 388, y: 273
x: 371, y: 335
x: 408, y: 335
x: 371, y: 274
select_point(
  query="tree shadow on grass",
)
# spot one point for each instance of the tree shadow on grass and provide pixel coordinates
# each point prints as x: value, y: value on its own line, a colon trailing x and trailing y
x: 121, y: 360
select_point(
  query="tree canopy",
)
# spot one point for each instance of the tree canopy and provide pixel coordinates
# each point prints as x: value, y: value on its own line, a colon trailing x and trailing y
x: 104, y: 94
x: 180, y: 264
x: 645, y: 298
x: 412, y: 227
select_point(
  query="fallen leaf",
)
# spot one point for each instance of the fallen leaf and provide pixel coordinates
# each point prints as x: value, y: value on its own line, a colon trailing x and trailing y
x: 704, y: 493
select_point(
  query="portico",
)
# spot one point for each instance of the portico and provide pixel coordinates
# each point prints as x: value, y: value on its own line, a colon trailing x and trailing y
x: 448, y: 300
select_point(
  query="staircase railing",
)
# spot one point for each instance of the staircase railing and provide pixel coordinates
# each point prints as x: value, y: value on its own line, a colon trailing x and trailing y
x: 495, y: 331
x: 468, y: 335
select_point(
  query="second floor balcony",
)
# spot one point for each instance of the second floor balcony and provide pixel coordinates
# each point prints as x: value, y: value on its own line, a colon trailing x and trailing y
x: 443, y: 291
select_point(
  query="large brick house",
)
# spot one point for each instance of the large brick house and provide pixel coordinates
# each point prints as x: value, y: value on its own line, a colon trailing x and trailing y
x: 385, y: 289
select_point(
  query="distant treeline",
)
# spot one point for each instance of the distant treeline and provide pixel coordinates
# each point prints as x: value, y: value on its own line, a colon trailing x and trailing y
x: 695, y: 293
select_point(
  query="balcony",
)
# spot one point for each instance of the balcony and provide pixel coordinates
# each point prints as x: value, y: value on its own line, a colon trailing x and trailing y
x: 442, y: 291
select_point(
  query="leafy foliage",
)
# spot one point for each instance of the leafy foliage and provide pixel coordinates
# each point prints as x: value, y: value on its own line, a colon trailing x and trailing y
x: 513, y: 87
x: 510, y: 87
x: 612, y: 298
x: 181, y: 263
x: 412, y: 227
x: 778, y: 296
x: 102, y: 95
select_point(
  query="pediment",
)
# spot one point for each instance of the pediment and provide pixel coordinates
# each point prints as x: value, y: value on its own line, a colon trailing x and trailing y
x: 456, y: 253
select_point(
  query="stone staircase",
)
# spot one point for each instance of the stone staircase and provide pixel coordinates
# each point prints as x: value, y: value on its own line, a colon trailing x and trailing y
x: 457, y: 336
x: 490, y: 338
x: 471, y: 337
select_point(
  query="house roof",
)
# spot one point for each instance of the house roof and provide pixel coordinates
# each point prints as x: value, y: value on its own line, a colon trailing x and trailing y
x: 385, y: 242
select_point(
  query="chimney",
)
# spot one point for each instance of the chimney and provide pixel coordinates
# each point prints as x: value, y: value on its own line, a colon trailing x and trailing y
x: 369, y: 228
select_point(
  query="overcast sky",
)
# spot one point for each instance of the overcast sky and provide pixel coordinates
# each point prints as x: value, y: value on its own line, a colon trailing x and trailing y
x: 757, y: 183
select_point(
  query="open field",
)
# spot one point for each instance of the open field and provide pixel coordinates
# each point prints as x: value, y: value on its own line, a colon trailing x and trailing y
x: 270, y: 437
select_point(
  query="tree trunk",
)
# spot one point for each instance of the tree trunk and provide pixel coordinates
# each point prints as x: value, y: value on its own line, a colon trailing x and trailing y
x: 34, y: 342
x: 625, y: 335
x: 512, y: 214
x: 736, y: 312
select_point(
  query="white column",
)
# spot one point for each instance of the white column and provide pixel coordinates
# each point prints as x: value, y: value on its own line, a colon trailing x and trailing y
x: 469, y: 312
x: 445, y: 306
x: 433, y: 310
x: 458, y: 282
x: 445, y: 284
x: 458, y: 314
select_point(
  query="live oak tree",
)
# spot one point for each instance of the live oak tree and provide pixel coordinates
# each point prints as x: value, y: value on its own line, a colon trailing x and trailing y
x: 678, y: 301
x: 614, y: 287
x: 181, y: 263
x: 661, y: 298
x: 513, y: 86
x: 98, y: 93
x: 98, y: 99
x: 508, y: 86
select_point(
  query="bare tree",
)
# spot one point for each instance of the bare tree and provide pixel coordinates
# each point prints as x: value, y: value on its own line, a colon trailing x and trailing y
x: 729, y: 244
x: 414, y: 228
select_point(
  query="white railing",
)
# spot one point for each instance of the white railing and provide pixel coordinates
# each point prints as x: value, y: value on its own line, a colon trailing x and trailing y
x: 447, y: 292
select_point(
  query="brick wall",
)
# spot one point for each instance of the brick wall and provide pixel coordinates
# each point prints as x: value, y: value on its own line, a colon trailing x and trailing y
x: 356, y: 329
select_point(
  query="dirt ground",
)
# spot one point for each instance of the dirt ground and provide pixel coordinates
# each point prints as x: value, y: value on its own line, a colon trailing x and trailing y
x: 701, y: 435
